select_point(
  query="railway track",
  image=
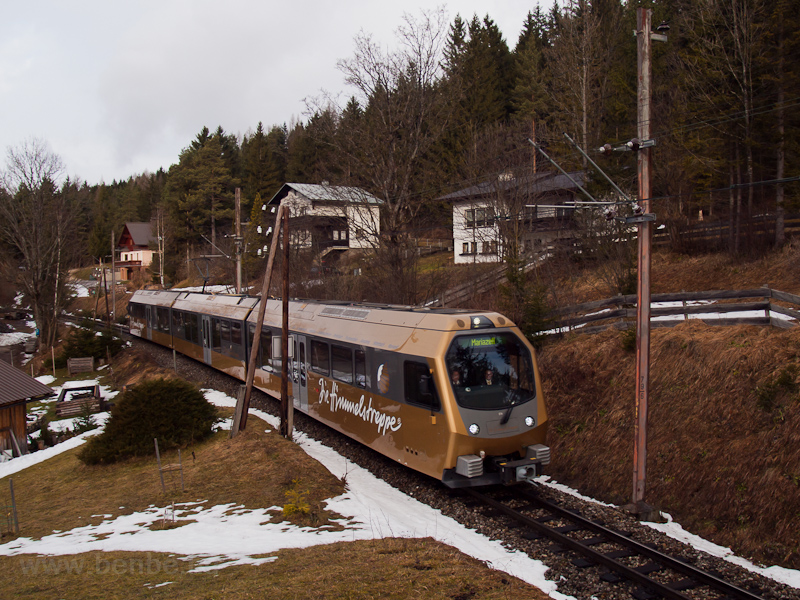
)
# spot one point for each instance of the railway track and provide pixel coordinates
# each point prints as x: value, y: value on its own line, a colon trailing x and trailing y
x: 617, y: 558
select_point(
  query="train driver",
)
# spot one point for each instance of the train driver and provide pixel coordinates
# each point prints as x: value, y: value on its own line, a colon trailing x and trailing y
x: 489, y: 377
x: 455, y: 378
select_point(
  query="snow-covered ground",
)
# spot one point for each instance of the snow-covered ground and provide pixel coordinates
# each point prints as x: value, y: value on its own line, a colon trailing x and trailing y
x: 228, y: 535
x: 707, y: 316
x: 15, y: 337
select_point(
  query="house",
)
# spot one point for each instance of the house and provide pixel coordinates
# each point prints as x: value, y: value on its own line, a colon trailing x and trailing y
x: 16, y: 390
x: 537, y: 206
x: 329, y: 218
x: 133, y: 249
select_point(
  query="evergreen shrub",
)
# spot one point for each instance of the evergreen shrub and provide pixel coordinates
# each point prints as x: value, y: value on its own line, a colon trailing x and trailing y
x: 86, y: 340
x: 173, y: 411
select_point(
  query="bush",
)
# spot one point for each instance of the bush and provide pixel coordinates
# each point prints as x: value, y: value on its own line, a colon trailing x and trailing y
x: 84, y: 341
x: 173, y: 411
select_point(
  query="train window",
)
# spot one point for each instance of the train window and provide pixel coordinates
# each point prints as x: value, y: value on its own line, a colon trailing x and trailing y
x: 225, y: 332
x: 236, y: 333
x: 490, y: 371
x: 342, y: 363
x: 162, y: 315
x: 320, y: 360
x: 136, y: 311
x: 190, y: 327
x: 177, y: 324
x: 216, y: 337
x: 361, y: 369
x: 419, y: 387
x: 266, y: 349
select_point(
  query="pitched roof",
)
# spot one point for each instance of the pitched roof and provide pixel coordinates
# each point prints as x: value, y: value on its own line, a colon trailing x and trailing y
x: 325, y: 192
x: 532, y: 185
x: 141, y: 233
x: 16, y: 386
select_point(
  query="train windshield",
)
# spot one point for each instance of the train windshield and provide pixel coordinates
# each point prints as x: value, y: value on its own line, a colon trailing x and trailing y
x: 488, y: 372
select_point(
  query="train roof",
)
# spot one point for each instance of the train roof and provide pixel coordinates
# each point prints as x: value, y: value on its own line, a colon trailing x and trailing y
x: 378, y: 325
x: 155, y: 297
x: 219, y: 305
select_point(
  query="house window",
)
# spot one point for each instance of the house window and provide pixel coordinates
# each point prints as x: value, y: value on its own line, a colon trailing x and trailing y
x: 465, y: 248
x: 474, y: 248
x: 479, y: 217
x: 335, y: 235
x: 469, y: 215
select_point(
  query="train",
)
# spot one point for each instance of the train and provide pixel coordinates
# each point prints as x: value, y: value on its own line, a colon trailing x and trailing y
x: 451, y: 393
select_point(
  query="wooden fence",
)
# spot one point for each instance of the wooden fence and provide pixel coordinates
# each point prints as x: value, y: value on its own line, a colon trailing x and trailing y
x: 620, y: 312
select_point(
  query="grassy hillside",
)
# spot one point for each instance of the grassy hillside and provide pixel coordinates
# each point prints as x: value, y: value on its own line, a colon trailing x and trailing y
x: 724, y: 419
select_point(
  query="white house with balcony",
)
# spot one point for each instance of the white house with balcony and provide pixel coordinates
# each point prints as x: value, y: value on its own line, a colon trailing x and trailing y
x: 538, y: 207
x: 330, y: 218
x: 133, y: 249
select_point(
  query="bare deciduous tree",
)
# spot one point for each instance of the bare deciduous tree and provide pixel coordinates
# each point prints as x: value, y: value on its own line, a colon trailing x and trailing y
x: 36, y: 221
x: 387, y: 146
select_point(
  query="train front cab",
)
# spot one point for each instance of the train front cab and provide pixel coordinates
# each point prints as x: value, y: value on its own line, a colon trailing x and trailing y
x: 500, y: 422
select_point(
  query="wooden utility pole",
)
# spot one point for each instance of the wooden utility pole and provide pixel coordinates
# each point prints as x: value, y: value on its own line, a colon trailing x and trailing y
x: 242, y: 410
x: 113, y: 315
x: 286, y: 405
x: 238, y: 240
x: 644, y: 44
x: 105, y: 294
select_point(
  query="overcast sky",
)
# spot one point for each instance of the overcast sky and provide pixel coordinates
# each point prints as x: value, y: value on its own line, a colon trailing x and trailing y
x: 121, y: 87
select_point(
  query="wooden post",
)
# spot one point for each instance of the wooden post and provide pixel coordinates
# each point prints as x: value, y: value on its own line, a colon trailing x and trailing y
x: 286, y: 430
x: 13, y: 506
x: 53, y: 357
x: 105, y: 293
x: 262, y: 306
x: 97, y: 294
x: 158, y: 459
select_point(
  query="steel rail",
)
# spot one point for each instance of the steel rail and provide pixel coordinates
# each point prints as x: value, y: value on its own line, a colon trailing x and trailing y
x: 698, y: 576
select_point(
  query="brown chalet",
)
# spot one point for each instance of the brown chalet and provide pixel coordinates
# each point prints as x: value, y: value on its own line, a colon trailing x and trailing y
x: 133, y: 247
x: 16, y: 390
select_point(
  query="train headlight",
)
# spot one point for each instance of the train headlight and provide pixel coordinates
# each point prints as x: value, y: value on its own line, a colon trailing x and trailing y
x: 530, y: 421
x: 474, y: 429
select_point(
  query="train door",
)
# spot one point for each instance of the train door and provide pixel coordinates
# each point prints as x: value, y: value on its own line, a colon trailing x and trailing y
x: 301, y: 398
x: 150, y: 321
x: 206, y: 330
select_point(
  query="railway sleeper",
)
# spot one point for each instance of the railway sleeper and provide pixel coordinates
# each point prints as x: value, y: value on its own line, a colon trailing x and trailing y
x: 648, y: 568
x: 683, y: 584
x: 593, y: 541
x: 642, y: 593
x: 568, y: 528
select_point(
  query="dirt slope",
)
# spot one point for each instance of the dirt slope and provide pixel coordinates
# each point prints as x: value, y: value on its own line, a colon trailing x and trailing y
x: 724, y: 420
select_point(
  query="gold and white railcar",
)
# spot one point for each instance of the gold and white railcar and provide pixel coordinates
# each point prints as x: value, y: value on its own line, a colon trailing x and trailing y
x: 453, y: 394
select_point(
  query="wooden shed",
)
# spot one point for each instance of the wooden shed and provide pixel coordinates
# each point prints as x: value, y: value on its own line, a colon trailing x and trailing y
x: 16, y: 390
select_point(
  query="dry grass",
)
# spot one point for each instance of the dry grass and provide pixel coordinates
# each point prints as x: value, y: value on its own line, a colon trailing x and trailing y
x: 254, y: 470
x: 723, y: 432
x: 390, y: 568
